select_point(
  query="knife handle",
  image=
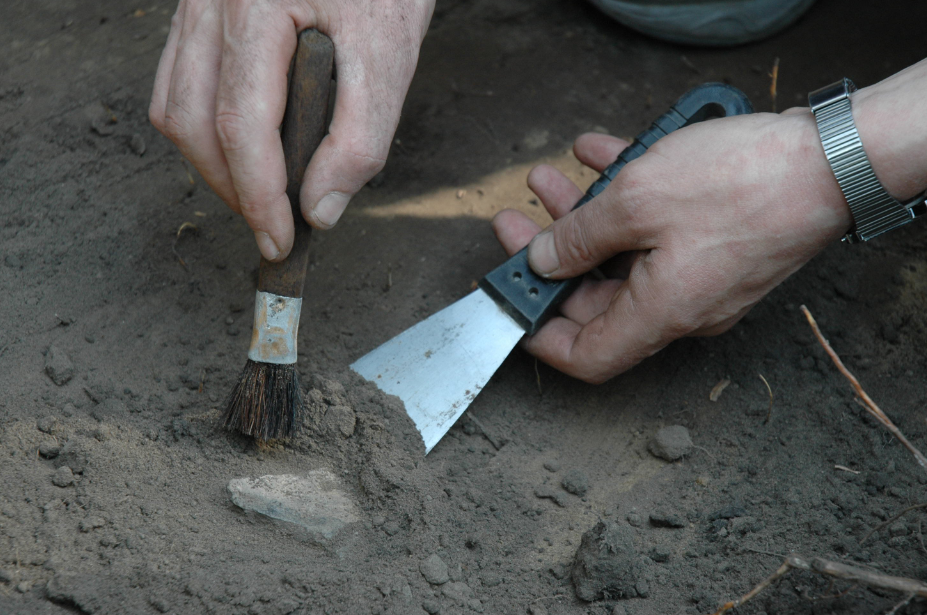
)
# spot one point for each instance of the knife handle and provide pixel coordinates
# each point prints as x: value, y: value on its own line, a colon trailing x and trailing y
x: 301, y: 132
x: 532, y: 300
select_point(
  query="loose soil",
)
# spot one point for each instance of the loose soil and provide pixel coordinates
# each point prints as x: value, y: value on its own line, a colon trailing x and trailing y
x: 145, y: 328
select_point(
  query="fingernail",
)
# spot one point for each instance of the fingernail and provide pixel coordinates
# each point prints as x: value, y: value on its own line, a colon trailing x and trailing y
x: 329, y: 209
x: 542, y: 254
x: 266, y: 245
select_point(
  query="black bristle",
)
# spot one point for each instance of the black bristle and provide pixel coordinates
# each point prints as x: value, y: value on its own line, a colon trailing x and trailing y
x: 267, y: 402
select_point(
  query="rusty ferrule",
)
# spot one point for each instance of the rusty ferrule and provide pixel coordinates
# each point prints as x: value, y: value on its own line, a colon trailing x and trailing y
x: 276, y: 321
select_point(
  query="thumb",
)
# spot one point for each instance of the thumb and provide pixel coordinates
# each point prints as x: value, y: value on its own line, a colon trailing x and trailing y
x: 581, y: 240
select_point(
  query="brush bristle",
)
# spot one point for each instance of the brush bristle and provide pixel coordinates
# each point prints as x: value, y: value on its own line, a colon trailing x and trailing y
x: 266, y: 403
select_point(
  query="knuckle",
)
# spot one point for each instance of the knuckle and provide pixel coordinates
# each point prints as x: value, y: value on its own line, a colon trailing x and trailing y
x: 231, y: 129
x: 175, y: 124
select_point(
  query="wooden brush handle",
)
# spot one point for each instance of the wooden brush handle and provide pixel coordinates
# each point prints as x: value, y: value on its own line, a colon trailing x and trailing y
x: 302, y: 131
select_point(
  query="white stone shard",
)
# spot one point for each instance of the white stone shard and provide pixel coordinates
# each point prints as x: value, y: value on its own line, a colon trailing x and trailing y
x: 315, y: 501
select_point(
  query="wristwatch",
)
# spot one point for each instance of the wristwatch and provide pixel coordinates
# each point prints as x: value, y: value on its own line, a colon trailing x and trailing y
x: 874, y: 210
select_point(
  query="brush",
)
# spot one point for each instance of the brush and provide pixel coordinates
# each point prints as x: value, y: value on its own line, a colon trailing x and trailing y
x: 267, y: 401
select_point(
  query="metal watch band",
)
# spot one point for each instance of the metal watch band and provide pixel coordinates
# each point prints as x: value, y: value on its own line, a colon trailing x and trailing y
x: 874, y: 210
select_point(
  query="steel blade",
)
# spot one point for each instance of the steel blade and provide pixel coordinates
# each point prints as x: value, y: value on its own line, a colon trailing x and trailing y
x: 440, y: 365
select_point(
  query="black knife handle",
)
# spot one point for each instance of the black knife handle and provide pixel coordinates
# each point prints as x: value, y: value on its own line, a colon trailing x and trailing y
x: 530, y: 299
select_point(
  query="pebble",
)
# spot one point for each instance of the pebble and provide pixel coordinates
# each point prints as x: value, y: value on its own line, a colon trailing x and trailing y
x: 137, y: 144
x: 432, y: 607
x: 666, y: 519
x: 434, y: 570
x: 635, y: 519
x: 575, y: 482
x: 671, y: 443
x: 660, y: 554
x: 6, y: 576
x: 458, y: 591
x: 315, y: 501
x: 63, y: 477
x: 49, y: 449
x: 58, y: 366
x: 23, y: 587
x: 391, y: 528
x: 552, y: 465
x: 619, y: 610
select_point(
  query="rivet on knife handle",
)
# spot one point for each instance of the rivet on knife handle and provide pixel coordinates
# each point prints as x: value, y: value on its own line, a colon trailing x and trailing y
x: 532, y: 300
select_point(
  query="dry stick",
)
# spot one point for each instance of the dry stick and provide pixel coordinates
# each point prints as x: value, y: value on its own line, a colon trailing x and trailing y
x: 870, y: 405
x: 768, y: 388
x: 774, y: 83
x: 901, y: 604
x: 834, y: 570
x: 892, y: 520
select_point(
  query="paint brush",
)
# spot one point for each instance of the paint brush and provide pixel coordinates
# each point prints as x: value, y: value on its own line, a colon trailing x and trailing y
x: 267, y: 401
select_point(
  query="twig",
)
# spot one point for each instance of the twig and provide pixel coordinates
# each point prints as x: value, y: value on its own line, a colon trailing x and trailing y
x: 870, y: 405
x: 834, y: 570
x: 846, y: 469
x: 496, y: 443
x: 688, y: 63
x: 537, y: 374
x: 768, y: 388
x: 774, y: 75
x: 183, y: 227
x: 892, y: 520
x: 901, y: 604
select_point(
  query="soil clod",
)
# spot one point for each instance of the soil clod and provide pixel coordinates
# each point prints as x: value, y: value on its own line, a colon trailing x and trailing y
x: 58, y: 366
x: 671, y: 443
x: 576, y: 482
x: 606, y: 563
x: 435, y: 570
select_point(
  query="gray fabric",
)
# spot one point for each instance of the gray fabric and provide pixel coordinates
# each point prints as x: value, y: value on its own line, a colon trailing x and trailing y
x: 706, y: 22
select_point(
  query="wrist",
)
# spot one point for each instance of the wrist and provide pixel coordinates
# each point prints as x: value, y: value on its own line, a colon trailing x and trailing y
x: 891, y: 118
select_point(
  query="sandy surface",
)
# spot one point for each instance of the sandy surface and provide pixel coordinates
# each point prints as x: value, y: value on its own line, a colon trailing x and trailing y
x: 113, y: 483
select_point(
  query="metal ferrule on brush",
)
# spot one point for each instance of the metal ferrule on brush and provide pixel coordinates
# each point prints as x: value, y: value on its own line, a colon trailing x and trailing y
x: 276, y: 322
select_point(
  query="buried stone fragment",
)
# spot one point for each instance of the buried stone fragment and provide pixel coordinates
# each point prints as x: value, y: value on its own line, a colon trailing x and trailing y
x: 315, y: 501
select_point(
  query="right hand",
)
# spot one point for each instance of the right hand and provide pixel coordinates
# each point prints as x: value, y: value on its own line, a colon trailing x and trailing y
x: 220, y: 93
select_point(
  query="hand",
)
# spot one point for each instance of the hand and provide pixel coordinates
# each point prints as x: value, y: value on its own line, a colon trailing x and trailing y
x: 220, y: 93
x: 706, y: 223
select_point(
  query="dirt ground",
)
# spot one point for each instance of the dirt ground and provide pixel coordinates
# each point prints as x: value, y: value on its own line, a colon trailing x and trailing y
x: 146, y: 331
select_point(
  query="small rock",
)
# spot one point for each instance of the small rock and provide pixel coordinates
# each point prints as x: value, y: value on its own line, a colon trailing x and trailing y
x: 48, y: 424
x: 432, y: 607
x: 49, y: 449
x: 91, y: 523
x: 635, y: 519
x: 643, y: 588
x: 606, y: 563
x: 619, y: 610
x: 23, y: 587
x: 391, y: 528
x: 63, y: 477
x: 575, y: 482
x: 536, y: 609
x: 552, y: 466
x: 434, y: 570
x: 58, y: 366
x: 666, y: 519
x: 671, y: 443
x: 137, y: 144
x: 315, y: 501
x: 6, y: 576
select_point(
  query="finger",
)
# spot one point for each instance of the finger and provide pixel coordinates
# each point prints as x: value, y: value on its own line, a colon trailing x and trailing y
x: 250, y: 102
x: 514, y: 230
x: 591, y: 299
x: 607, y: 345
x: 189, y: 109
x: 555, y: 190
x: 597, y: 150
x: 371, y: 87
x: 162, y: 82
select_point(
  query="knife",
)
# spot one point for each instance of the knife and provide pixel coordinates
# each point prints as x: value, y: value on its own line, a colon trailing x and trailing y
x: 440, y: 365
